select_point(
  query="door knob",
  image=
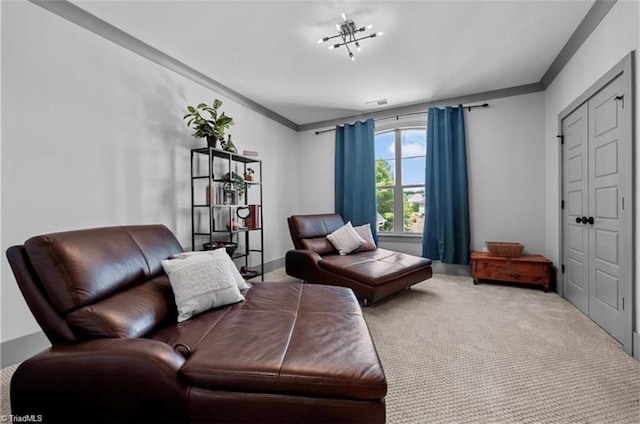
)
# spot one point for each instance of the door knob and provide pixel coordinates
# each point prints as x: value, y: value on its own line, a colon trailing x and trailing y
x: 590, y: 220
x: 578, y: 220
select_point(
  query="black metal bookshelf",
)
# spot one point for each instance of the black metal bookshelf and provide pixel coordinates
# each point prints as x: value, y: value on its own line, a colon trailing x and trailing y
x: 215, y: 208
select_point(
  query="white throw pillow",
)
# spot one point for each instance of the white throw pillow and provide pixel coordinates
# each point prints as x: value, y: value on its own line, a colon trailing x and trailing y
x: 345, y: 239
x: 200, y: 283
x: 221, y: 255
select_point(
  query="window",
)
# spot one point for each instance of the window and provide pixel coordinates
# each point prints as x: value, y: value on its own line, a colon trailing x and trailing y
x: 400, y: 172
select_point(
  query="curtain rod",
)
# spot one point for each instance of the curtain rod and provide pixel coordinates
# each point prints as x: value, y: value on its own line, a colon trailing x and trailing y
x: 468, y: 107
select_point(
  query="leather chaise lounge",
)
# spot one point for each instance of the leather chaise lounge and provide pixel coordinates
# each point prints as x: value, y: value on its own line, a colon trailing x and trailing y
x: 372, y: 275
x: 290, y: 352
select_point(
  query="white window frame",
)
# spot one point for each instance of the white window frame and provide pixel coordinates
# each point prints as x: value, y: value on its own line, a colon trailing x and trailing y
x: 398, y: 188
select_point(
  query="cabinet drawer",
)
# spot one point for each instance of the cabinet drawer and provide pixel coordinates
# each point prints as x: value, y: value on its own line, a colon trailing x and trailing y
x: 525, y: 272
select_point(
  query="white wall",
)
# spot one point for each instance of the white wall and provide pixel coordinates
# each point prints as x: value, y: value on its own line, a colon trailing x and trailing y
x: 613, y: 39
x: 505, y: 152
x: 317, y: 178
x: 93, y: 135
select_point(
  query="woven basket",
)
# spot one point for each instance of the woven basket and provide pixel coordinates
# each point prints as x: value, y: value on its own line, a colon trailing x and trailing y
x: 505, y: 249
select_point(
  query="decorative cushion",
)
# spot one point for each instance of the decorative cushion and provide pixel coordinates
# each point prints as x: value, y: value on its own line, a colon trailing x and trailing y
x: 200, y: 283
x: 364, y: 231
x: 221, y: 255
x: 345, y: 239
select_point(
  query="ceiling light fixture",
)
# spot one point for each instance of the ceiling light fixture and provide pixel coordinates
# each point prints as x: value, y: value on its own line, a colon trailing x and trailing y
x: 348, y: 32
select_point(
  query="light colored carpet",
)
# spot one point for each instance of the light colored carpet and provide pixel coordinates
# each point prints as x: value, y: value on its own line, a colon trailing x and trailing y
x: 458, y: 353
x: 455, y: 352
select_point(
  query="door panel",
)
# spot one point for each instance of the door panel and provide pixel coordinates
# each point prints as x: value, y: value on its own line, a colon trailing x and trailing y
x: 607, y: 289
x: 575, y: 130
x: 604, y: 194
x: 606, y: 203
x: 607, y: 246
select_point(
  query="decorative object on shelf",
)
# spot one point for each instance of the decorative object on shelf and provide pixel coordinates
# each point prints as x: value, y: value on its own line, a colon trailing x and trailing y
x: 233, y: 225
x: 249, y: 153
x: 504, y: 249
x: 248, y: 175
x: 229, y: 247
x: 229, y: 197
x: 229, y: 146
x: 348, y: 32
x: 247, y: 273
x: 214, y: 127
x: 250, y: 214
x: 211, y: 194
x: 234, y: 181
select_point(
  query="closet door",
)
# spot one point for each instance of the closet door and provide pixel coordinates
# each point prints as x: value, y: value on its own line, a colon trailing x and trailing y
x: 576, y: 237
x: 597, y: 218
x: 608, y: 256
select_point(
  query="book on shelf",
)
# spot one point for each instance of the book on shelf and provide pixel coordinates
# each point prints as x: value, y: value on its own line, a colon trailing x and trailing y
x: 249, y: 153
x: 252, y: 221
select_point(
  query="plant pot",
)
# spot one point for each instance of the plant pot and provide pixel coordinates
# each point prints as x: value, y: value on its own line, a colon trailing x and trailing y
x: 212, y: 141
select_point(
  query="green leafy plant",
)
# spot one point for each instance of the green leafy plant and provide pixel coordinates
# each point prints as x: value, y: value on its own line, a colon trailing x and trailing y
x: 214, y: 125
x: 236, y: 181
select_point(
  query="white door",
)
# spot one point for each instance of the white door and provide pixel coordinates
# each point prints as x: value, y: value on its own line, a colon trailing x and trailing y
x: 575, y: 130
x: 608, y: 256
x: 597, y: 216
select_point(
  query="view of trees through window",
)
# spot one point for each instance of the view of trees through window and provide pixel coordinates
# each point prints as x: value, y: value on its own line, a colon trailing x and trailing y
x: 400, y: 152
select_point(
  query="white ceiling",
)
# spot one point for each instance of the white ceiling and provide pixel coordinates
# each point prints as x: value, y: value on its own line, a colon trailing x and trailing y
x: 268, y: 52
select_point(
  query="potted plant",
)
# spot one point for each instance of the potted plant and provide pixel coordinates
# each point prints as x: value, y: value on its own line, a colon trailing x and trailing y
x: 236, y: 182
x: 212, y: 126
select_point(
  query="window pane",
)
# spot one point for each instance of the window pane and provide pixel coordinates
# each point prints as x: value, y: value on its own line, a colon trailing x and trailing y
x: 413, y: 171
x: 385, y: 173
x: 385, y: 209
x: 413, y: 149
x: 385, y: 145
x: 413, y: 209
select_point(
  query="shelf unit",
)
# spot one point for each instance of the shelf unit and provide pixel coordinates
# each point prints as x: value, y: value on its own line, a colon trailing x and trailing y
x: 212, y: 219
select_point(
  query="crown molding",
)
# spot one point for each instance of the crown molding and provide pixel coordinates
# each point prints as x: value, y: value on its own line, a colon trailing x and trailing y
x: 423, y: 106
x: 80, y: 17
x: 590, y: 22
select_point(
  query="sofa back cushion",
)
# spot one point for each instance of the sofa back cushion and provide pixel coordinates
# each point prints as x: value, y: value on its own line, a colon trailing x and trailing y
x: 130, y: 313
x: 309, y: 231
x: 82, y: 271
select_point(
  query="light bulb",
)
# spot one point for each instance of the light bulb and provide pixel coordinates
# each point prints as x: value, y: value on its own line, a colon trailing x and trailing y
x: 369, y: 26
x: 358, y: 46
x: 381, y: 33
x: 344, y: 17
x: 352, y: 56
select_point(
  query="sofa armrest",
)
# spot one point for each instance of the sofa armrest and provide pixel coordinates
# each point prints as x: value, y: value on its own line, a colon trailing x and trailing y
x: 299, y: 262
x: 105, y: 380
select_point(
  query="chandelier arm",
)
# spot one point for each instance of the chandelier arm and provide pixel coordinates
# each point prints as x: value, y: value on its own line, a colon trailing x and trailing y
x: 325, y: 39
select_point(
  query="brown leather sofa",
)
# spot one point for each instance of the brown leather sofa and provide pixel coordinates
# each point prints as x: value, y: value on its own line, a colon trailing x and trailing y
x: 288, y: 353
x: 372, y: 275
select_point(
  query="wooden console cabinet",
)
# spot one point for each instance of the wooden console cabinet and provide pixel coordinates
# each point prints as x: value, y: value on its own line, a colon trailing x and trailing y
x: 529, y: 269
